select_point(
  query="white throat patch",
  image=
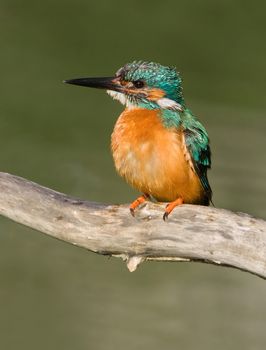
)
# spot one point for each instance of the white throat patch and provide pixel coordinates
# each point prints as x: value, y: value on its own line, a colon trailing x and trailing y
x: 122, y: 98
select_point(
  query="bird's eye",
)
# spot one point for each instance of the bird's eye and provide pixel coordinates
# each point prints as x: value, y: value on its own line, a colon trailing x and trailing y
x: 138, y: 84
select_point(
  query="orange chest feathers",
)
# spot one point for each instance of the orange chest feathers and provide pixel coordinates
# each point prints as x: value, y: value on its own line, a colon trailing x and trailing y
x: 152, y: 158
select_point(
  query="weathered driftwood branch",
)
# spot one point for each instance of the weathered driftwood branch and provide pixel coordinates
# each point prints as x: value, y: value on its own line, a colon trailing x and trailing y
x: 192, y: 233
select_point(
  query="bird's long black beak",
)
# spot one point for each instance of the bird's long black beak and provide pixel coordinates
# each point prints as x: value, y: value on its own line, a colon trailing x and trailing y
x: 108, y: 83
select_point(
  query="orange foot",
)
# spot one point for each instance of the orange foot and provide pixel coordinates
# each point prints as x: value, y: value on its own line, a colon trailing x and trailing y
x: 169, y: 208
x: 134, y: 205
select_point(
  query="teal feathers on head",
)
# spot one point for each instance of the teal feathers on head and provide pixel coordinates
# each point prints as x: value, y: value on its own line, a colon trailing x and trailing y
x: 154, y: 75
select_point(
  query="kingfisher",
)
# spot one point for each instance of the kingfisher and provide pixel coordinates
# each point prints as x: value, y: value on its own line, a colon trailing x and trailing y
x: 159, y: 147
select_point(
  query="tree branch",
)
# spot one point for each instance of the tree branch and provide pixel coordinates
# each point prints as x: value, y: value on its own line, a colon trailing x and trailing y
x: 192, y: 233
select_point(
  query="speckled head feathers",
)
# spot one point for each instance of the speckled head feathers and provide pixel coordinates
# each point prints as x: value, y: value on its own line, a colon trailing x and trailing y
x: 154, y: 75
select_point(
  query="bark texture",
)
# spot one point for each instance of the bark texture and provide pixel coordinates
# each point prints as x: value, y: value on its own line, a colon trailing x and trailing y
x: 192, y: 233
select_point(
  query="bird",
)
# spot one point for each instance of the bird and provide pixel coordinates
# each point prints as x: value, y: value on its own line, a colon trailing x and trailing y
x: 159, y: 147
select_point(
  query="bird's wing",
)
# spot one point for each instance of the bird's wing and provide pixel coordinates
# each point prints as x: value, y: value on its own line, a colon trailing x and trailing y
x: 197, y: 144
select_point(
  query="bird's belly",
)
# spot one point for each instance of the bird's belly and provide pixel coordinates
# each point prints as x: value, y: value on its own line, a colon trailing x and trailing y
x: 152, y: 158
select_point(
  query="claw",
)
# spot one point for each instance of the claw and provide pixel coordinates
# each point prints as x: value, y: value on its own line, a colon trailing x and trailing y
x: 134, y: 205
x: 165, y: 216
x: 132, y: 212
x: 170, y: 206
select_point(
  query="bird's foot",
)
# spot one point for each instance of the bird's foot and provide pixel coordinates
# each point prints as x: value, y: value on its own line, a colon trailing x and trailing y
x: 140, y: 200
x: 170, y: 206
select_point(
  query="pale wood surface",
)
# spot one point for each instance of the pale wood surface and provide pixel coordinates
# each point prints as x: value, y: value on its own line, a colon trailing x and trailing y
x: 192, y: 233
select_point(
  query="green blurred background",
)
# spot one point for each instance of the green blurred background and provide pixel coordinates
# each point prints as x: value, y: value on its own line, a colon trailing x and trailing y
x: 57, y: 296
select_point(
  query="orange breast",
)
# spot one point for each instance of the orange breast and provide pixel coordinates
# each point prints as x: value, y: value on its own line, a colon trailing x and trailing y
x: 154, y: 159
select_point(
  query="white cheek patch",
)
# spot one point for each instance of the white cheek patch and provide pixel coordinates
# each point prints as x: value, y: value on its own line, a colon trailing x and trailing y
x: 122, y: 98
x: 167, y: 103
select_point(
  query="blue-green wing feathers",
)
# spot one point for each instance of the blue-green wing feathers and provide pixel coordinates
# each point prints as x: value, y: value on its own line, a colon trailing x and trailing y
x: 197, y: 143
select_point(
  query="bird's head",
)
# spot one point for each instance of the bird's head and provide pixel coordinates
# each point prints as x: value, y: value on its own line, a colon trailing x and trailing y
x: 141, y: 84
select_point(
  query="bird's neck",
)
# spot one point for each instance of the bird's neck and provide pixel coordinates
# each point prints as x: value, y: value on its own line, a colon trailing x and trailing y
x: 163, y: 103
x: 169, y: 118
